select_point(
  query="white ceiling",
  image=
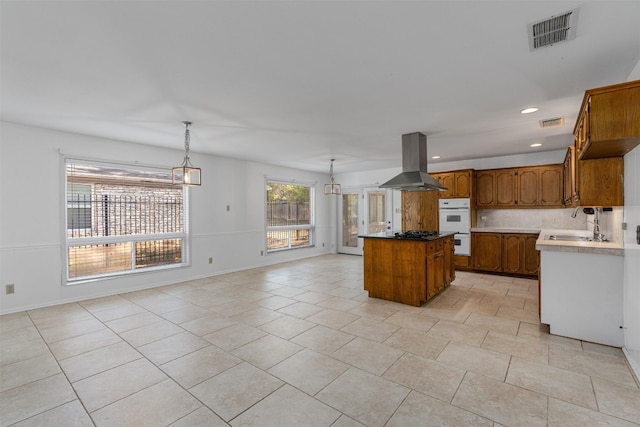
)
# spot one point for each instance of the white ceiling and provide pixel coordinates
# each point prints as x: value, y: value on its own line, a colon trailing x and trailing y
x: 297, y: 83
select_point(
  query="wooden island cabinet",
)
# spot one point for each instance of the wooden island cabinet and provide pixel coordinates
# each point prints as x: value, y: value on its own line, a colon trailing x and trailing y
x: 408, y: 271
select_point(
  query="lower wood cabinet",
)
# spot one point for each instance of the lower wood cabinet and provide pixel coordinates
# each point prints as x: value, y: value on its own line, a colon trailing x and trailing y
x: 519, y: 255
x: 512, y: 253
x: 486, y: 249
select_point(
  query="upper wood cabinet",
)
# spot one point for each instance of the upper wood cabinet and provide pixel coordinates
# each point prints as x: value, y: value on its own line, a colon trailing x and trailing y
x: 420, y: 211
x: 459, y: 183
x: 506, y: 182
x: 550, y: 191
x: 534, y: 186
x: 608, y: 123
x: 601, y: 182
x: 486, y: 189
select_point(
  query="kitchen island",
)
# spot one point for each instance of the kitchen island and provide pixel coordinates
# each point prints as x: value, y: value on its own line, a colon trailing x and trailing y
x: 408, y: 270
x: 581, y: 286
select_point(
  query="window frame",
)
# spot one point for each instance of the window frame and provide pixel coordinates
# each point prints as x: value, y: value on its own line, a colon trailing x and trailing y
x: 312, y: 216
x: 68, y: 242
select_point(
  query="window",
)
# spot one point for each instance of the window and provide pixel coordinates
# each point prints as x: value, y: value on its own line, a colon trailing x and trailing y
x: 290, y: 219
x: 122, y: 219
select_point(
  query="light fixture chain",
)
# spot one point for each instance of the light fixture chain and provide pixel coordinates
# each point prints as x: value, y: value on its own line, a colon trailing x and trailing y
x: 187, y: 137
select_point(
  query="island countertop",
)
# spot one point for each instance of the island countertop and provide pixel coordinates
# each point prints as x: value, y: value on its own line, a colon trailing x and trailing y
x: 394, y: 236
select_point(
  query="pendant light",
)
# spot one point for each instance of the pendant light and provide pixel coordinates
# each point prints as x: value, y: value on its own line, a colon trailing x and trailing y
x: 186, y: 174
x: 332, y: 187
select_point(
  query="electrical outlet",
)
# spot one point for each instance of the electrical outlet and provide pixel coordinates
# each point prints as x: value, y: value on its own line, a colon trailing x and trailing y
x: 210, y: 260
x: 554, y: 220
x: 228, y: 208
x: 10, y: 289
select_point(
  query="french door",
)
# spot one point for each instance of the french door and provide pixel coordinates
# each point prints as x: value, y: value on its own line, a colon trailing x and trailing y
x: 363, y: 211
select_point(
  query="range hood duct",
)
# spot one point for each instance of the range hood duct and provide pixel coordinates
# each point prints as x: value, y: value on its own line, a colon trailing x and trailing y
x: 414, y: 175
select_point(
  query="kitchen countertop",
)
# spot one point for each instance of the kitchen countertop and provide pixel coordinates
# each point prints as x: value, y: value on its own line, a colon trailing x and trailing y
x: 391, y: 235
x: 505, y: 230
x: 605, y: 248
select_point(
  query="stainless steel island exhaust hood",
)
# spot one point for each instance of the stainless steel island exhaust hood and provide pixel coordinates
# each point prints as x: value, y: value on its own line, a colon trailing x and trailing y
x: 414, y: 175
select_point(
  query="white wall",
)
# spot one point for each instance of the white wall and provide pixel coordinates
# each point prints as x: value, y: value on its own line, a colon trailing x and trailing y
x: 631, y: 289
x: 31, y: 215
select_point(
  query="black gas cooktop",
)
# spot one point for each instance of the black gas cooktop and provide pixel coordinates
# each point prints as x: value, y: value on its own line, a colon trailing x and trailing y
x: 417, y: 235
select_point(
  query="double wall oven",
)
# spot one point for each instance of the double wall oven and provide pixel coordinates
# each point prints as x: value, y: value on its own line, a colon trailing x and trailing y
x: 455, y: 217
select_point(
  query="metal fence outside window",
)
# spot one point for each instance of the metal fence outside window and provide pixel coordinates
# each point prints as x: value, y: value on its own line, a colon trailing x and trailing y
x: 289, y: 224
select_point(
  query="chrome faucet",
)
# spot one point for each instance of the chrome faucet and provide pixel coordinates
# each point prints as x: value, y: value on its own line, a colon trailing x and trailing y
x: 575, y: 212
x: 597, y: 235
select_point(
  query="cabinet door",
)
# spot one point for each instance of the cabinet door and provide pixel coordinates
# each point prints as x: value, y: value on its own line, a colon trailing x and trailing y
x: 582, y: 130
x: 462, y: 184
x: 531, y: 255
x: 569, y: 177
x: 614, y: 115
x: 487, y: 251
x: 528, y: 187
x: 446, y: 179
x: 550, y: 186
x: 485, y: 189
x: 600, y: 182
x: 512, y: 253
x: 449, y: 265
x: 506, y: 181
x: 435, y: 274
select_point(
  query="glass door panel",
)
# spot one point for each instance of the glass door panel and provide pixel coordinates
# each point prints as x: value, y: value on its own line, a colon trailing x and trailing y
x: 349, y: 243
x: 378, y: 211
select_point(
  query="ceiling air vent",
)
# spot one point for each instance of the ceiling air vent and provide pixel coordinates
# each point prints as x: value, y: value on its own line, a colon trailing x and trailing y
x: 553, y: 30
x: 547, y: 123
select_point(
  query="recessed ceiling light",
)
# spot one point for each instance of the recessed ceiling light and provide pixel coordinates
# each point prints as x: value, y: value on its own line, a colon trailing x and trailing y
x: 529, y: 110
x: 435, y: 157
x: 537, y: 144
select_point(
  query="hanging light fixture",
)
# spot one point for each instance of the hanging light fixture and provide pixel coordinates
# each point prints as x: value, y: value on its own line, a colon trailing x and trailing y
x: 332, y: 187
x: 186, y: 174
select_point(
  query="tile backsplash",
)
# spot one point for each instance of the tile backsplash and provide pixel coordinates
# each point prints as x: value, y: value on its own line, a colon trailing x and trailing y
x: 610, y: 222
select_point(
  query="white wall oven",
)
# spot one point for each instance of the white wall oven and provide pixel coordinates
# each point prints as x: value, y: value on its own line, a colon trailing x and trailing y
x: 455, y: 217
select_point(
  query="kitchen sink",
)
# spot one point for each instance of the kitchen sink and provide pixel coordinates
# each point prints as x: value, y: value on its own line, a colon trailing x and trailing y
x: 569, y: 238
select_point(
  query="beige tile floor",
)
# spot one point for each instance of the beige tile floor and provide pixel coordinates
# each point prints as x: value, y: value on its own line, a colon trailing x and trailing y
x: 301, y: 344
